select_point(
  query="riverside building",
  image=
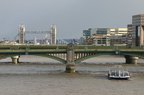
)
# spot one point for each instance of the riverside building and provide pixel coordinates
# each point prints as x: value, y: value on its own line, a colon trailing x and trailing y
x: 106, y: 37
x: 138, y: 30
x: 118, y: 36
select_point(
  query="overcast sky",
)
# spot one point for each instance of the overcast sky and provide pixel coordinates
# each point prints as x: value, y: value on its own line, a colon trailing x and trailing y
x: 70, y: 16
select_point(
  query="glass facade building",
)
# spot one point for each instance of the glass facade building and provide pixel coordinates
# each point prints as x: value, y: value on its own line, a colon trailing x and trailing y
x: 86, y: 33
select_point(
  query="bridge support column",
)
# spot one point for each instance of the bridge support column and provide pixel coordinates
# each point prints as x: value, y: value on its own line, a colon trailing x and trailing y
x: 134, y: 60
x: 131, y: 59
x: 70, y: 66
x: 15, y: 59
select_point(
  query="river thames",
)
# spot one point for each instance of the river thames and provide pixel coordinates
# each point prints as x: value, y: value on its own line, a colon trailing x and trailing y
x: 48, y: 77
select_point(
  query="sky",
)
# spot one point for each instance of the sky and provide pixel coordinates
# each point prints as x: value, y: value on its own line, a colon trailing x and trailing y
x: 71, y: 17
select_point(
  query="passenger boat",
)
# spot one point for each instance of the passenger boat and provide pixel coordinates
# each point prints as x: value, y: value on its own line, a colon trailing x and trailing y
x: 118, y: 72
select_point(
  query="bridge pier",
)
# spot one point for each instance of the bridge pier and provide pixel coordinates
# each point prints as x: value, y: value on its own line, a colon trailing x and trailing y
x: 134, y: 60
x: 15, y: 59
x: 70, y: 66
x: 131, y: 59
x: 70, y: 69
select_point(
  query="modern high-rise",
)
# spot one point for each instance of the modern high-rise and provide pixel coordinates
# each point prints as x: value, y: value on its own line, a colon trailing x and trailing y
x: 138, y: 30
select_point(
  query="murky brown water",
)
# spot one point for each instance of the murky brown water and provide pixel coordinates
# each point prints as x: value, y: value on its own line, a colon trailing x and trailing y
x: 48, y: 79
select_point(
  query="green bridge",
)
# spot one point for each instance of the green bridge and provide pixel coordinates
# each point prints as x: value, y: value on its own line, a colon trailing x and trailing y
x: 70, y: 54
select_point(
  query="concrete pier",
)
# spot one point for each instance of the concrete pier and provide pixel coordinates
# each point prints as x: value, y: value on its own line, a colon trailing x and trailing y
x: 134, y: 60
x: 70, y: 67
x: 15, y: 59
x: 131, y: 59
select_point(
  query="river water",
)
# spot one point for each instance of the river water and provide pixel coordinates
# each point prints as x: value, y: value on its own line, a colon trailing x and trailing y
x: 42, y: 78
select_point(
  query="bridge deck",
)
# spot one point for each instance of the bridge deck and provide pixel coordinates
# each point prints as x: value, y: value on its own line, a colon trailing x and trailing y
x: 8, y: 48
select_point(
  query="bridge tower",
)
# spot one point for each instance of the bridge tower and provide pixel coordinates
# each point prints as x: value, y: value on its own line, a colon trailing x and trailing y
x: 21, y: 33
x: 53, y: 34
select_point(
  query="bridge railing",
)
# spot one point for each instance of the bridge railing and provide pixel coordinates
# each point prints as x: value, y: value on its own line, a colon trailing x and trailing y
x: 31, y: 48
x: 106, y: 47
x: 59, y: 47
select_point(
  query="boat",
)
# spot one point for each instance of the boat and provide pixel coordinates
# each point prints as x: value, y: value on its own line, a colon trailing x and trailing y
x: 118, y: 72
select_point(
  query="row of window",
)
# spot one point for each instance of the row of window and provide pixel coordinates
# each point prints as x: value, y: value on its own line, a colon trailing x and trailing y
x: 101, y: 32
x: 138, y: 18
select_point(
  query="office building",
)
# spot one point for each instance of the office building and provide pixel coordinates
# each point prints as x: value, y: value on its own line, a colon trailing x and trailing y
x: 138, y: 30
x: 118, y: 37
x: 108, y: 37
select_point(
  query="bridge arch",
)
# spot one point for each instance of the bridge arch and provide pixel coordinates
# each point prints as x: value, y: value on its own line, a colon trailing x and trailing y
x: 91, y: 56
x: 7, y: 55
x: 52, y: 57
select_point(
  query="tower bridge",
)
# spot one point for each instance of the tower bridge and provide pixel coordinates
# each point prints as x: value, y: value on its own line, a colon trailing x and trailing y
x: 22, y: 32
x: 70, y: 54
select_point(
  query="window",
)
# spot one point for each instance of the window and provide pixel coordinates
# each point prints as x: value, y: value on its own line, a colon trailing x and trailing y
x: 101, y: 32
